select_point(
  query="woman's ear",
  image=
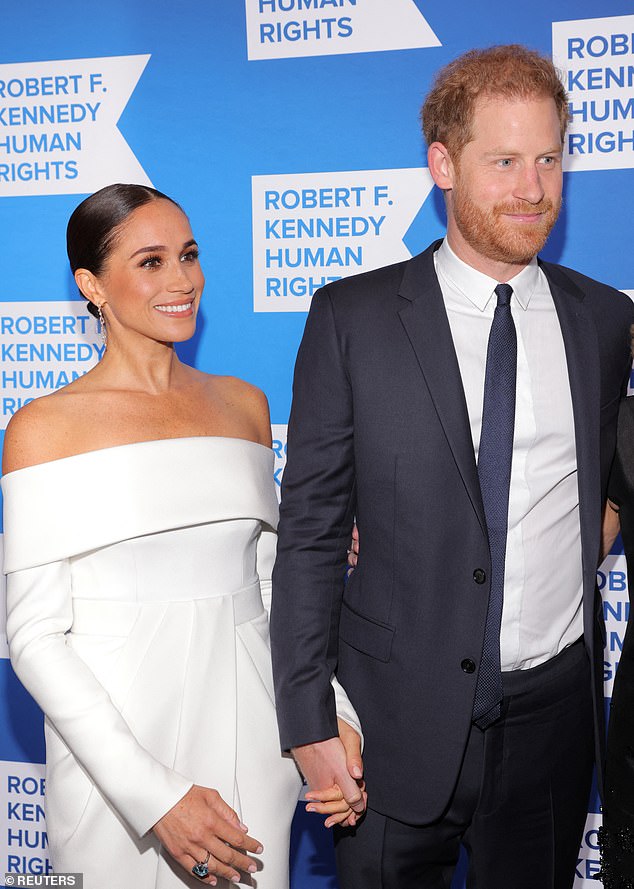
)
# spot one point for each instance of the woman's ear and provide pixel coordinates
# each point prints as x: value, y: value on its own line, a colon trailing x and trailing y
x: 89, y: 286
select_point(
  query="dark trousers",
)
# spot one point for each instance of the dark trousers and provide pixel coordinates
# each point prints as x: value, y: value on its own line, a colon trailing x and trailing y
x: 520, y: 801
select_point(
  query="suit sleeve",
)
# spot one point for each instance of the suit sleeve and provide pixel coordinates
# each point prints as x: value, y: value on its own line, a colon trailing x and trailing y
x: 39, y: 615
x: 266, y: 558
x: 315, y: 524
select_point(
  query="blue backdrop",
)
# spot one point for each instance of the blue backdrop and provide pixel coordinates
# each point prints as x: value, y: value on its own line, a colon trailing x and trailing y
x: 288, y: 130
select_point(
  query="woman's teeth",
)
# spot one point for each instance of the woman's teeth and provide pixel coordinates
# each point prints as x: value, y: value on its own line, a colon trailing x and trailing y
x: 171, y: 309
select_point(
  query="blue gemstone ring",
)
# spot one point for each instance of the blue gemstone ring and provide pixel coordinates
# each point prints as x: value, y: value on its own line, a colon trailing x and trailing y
x: 201, y: 868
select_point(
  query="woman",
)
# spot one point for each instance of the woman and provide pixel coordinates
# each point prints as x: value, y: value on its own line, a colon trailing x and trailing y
x: 139, y: 516
x: 616, y: 837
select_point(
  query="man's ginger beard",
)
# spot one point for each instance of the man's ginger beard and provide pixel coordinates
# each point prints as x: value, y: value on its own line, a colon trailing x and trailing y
x: 492, y: 235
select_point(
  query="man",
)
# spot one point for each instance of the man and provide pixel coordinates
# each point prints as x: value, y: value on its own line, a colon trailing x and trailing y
x: 462, y: 405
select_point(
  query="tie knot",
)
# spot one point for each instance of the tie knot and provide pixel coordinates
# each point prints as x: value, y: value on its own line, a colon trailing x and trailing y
x: 504, y: 292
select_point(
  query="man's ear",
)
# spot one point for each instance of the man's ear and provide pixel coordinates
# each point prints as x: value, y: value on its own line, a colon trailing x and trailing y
x: 440, y: 166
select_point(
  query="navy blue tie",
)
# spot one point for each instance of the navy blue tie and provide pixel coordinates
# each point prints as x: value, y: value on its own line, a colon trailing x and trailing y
x: 494, y: 470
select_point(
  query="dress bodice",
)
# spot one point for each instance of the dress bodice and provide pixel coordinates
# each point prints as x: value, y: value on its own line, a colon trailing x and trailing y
x: 113, y: 497
x: 182, y: 563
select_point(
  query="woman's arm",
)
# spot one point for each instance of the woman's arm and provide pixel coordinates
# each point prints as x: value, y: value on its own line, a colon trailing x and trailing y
x: 39, y: 614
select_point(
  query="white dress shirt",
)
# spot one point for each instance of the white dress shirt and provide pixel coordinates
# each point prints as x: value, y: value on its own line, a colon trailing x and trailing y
x: 543, y: 575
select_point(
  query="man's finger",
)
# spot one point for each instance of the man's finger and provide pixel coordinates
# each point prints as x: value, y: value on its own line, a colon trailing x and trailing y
x: 352, y: 794
x: 352, y: 745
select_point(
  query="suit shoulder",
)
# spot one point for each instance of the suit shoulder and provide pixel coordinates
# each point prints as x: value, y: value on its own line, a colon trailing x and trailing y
x: 376, y: 284
x: 609, y: 305
x: 387, y: 281
x: 589, y: 286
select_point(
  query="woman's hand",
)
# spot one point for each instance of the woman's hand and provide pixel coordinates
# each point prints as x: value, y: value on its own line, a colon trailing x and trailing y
x: 353, y: 552
x: 330, y: 801
x: 200, y: 823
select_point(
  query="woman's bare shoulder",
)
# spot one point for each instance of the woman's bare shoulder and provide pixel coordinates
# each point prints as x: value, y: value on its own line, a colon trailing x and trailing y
x: 236, y: 387
x: 245, y: 402
x: 40, y: 431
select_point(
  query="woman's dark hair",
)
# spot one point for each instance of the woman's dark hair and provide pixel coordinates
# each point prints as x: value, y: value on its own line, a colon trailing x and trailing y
x: 94, y: 225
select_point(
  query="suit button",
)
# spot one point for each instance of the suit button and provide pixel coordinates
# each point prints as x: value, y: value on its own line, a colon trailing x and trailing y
x: 468, y: 665
x: 479, y: 575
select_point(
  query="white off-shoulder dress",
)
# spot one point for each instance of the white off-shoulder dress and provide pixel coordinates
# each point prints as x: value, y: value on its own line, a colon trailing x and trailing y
x: 135, y: 584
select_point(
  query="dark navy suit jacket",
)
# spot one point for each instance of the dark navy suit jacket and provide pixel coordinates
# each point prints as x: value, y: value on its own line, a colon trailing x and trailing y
x: 379, y: 430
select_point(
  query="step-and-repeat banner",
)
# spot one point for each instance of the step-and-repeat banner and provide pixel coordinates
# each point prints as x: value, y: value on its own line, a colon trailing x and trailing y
x: 288, y: 130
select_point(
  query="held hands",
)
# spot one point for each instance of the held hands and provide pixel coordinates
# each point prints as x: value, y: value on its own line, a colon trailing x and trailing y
x: 336, y: 765
x: 201, y: 823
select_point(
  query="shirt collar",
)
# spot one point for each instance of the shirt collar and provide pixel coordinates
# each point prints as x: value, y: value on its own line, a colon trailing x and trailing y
x: 479, y: 288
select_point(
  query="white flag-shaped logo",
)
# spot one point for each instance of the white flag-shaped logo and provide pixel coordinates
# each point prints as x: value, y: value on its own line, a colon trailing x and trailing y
x: 312, y: 228
x: 280, y: 29
x: 58, y: 125
x: 595, y: 57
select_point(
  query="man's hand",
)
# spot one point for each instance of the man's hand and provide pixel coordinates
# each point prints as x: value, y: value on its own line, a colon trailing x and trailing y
x: 334, y: 772
x: 352, y: 745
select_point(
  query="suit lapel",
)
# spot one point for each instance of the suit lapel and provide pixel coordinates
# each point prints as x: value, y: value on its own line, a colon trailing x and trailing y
x: 582, y: 356
x: 424, y: 318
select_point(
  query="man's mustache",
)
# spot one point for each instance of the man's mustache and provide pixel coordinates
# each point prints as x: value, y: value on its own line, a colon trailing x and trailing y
x: 524, y: 207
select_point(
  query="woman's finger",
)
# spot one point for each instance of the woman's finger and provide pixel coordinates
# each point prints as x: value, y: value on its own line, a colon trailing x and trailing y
x: 231, y: 859
x: 202, y: 860
x: 342, y: 819
x: 329, y: 808
x: 324, y: 796
x: 227, y: 833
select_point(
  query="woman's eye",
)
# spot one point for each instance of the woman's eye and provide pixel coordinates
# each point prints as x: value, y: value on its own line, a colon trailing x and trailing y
x: 190, y: 256
x: 151, y: 262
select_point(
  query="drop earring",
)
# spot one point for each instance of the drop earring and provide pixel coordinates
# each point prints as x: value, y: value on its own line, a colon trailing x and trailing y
x: 102, y: 325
